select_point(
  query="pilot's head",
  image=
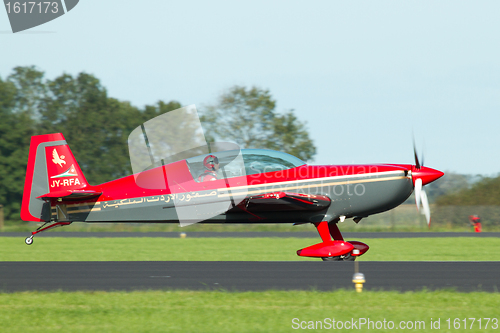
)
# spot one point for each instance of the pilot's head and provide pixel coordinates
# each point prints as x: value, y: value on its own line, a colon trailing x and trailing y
x: 211, y: 162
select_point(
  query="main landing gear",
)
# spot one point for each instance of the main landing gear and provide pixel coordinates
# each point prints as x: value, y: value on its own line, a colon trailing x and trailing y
x: 346, y: 257
x: 29, y: 240
x: 333, y: 250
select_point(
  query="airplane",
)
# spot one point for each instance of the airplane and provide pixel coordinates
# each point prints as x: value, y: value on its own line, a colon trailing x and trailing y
x: 232, y: 186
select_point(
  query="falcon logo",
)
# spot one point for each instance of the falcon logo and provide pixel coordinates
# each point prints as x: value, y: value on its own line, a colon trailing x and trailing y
x: 58, y: 159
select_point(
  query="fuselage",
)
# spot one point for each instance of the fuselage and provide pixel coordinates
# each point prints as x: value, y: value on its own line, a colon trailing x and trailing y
x: 245, y: 186
x: 159, y: 194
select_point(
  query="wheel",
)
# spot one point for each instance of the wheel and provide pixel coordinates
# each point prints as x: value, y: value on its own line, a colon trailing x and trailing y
x: 28, y: 240
x: 338, y: 258
x: 348, y: 257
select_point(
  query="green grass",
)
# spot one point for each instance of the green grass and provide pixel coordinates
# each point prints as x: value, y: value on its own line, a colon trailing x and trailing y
x: 238, y: 249
x: 217, y: 311
x: 220, y: 311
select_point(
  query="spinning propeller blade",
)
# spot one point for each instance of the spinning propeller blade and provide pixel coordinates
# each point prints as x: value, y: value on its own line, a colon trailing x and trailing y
x: 426, y: 209
x: 417, y: 163
x: 421, y: 198
x: 418, y: 190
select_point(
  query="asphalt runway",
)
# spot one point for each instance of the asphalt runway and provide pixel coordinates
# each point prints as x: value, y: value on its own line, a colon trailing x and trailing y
x: 246, y: 276
x: 307, y: 234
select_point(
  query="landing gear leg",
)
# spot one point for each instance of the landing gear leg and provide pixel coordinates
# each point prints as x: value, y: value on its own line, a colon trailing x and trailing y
x: 325, y: 234
x: 29, y: 240
x: 333, y: 250
x: 334, y: 231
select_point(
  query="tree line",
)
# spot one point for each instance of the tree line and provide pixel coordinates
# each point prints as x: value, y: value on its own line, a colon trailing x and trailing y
x: 97, y: 126
x: 481, y: 198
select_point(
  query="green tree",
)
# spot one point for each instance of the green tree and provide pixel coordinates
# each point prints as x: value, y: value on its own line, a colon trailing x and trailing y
x: 482, y: 198
x: 16, y: 128
x: 248, y: 117
x: 151, y: 111
x: 31, y: 90
x: 484, y: 192
x: 174, y: 135
x: 95, y: 126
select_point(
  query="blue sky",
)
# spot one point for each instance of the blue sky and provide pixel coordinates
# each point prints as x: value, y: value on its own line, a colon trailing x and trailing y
x: 364, y: 74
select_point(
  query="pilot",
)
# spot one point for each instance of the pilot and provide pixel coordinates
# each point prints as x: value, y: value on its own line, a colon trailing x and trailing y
x: 211, y: 164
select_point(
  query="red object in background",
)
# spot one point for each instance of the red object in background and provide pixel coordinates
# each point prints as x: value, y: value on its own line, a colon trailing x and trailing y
x: 475, y: 222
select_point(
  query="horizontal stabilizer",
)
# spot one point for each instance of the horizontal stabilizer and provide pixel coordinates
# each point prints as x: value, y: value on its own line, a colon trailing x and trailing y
x: 71, y: 194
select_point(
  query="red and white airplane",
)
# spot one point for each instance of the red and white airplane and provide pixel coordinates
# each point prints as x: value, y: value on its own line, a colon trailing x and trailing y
x: 267, y: 187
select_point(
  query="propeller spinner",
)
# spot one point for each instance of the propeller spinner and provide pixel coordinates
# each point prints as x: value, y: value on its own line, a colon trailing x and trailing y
x: 421, y: 176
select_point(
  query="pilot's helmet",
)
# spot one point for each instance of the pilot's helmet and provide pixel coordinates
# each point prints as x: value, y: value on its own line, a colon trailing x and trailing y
x: 210, y: 161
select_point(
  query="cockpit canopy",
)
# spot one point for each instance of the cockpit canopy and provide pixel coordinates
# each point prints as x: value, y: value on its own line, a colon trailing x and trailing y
x: 251, y: 161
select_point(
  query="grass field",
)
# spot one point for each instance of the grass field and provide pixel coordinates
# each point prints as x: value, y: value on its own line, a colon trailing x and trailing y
x: 221, y: 311
x: 238, y: 249
x: 272, y: 311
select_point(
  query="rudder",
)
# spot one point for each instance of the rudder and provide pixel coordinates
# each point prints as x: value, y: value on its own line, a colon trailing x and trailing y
x: 52, y: 171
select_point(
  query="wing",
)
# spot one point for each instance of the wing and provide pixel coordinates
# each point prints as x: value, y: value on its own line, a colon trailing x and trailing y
x: 285, y: 201
x: 71, y: 195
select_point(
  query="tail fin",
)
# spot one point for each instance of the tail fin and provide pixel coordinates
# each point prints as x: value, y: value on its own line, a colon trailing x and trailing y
x: 52, y: 173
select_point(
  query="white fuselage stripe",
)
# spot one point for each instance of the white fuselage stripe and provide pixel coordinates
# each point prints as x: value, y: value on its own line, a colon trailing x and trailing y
x: 295, y: 184
x: 320, y: 179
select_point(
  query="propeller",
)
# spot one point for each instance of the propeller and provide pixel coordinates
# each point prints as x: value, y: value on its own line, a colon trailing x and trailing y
x: 417, y: 163
x: 420, y: 196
